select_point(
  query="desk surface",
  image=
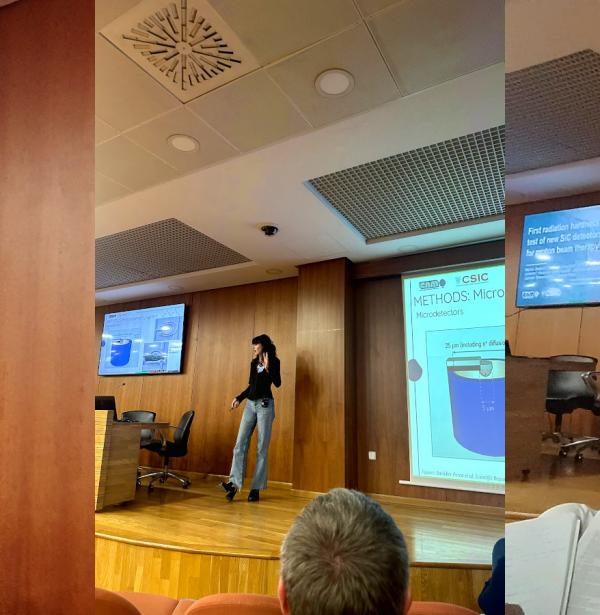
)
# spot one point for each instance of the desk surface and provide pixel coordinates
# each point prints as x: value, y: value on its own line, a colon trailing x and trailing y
x: 154, y: 425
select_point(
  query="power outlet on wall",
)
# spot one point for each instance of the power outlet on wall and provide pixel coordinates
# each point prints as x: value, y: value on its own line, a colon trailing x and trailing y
x: 372, y: 455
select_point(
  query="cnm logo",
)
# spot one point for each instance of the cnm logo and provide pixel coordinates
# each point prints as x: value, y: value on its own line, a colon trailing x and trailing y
x: 429, y: 284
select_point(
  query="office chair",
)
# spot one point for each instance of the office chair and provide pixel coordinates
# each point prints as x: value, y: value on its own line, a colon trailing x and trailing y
x: 177, y: 447
x: 107, y: 402
x: 141, y: 416
x: 568, y: 391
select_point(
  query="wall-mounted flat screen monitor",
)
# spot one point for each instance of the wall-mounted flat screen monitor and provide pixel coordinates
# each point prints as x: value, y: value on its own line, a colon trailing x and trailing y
x: 560, y: 258
x: 142, y: 342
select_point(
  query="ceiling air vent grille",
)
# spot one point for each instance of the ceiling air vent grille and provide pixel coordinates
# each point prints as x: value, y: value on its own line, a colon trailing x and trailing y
x: 447, y: 183
x: 158, y: 250
x: 185, y: 45
x: 552, y: 112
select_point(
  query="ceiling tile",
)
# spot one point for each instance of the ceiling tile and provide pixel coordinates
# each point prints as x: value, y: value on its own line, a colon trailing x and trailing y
x: 272, y: 29
x: 353, y: 51
x: 250, y: 112
x: 109, y: 10
x: 427, y: 42
x: 153, y: 137
x: 368, y: 7
x: 128, y: 164
x: 108, y: 190
x: 125, y: 95
x: 104, y: 132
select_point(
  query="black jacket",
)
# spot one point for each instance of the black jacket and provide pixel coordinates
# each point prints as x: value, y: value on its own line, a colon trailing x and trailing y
x: 259, y: 383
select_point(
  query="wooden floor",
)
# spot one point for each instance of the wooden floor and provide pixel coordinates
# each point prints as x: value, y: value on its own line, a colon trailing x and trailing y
x: 562, y: 480
x: 194, y: 542
x: 200, y: 519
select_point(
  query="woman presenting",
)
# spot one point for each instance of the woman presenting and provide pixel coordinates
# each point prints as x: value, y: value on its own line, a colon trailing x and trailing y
x: 259, y: 410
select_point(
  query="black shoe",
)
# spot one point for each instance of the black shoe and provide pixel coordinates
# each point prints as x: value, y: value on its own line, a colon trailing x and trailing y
x: 253, y: 496
x: 231, y: 490
x: 227, y: 487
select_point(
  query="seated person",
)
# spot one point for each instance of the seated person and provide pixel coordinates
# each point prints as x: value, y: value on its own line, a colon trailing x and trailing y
x: 491, y: 599
x: 344, y: 554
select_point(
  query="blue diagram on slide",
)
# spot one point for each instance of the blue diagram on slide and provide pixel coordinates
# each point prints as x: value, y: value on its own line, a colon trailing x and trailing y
x: 120, y: 352
x: 466, y: 392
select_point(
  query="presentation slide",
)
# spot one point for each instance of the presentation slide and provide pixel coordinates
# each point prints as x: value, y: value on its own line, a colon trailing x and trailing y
x: 148, y: 341
x: 560, y: 258
x: 454, y: 327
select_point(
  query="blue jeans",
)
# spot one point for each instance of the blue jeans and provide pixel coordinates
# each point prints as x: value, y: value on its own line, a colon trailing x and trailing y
x: 254, y: 414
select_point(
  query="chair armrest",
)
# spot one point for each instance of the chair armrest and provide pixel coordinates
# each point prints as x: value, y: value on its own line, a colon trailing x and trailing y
x: 592, y: 379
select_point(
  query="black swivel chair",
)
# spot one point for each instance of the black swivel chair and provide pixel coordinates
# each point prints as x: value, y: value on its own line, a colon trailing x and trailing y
x: 141, y: 416
x: 178, y: 447
x: 568, y: 391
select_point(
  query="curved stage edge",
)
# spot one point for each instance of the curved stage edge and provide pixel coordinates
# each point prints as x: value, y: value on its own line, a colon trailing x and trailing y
x: 189, y: 544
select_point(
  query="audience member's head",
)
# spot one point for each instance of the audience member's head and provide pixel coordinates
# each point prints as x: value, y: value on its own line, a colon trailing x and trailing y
x: 344, y: 555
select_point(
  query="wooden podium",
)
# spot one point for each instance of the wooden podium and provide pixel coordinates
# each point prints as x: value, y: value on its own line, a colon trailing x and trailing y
x: 526, y: 387
x: 117, y: 449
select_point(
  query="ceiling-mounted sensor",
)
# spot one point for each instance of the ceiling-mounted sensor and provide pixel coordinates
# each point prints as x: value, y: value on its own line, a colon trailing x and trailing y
x: 269, y: 229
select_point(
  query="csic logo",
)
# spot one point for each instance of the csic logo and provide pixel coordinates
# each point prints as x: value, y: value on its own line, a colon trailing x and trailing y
x: 473, y: 278
x: 431, y: 284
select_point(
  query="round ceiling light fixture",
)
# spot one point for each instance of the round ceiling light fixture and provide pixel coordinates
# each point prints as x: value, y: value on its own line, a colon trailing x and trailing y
x: 183, y: 143
x: 334, y: 82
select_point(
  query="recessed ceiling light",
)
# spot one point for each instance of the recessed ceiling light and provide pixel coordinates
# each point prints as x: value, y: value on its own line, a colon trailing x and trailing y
x: 183, y: 143
x: 274, y: 271
x: 175, y: 288
x: 334, y: 82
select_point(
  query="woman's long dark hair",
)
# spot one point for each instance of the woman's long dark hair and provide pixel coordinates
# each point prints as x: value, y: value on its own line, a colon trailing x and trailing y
x: 267, y: 344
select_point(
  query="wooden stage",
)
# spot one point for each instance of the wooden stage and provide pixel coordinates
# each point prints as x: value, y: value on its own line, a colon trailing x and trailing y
x: 194, y: 543
x: 561, y: 479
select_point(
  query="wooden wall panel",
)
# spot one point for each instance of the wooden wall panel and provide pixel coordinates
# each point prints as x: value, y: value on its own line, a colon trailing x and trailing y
x: 225, y: 325
x: 220, y: 326
x: 548, y: 331
x: 543, y: 333
x: 381, y: 386
x: 382, y: 401
x: 589, y: 333
x: 46, y: 305
x: 276, y: 307
x: 323, y: 334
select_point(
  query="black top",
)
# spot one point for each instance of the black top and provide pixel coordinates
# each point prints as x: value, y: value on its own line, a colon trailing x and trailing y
x: 259, y: 383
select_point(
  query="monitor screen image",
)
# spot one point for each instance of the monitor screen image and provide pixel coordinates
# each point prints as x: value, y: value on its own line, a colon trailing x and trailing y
x: 138, y: 342
x: 455, y: 351
x: 560, y: 258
